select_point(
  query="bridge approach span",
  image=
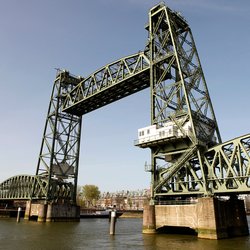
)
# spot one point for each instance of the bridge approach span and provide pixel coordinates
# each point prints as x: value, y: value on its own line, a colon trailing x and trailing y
x: 25, y: 187
x: 228, y: 166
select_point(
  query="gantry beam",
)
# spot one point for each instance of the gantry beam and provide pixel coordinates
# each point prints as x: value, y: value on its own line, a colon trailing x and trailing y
x: 108, y: 84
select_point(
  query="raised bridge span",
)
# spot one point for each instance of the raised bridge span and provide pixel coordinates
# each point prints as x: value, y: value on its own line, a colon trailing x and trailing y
x: 109, y: 84
x: 188, y: 157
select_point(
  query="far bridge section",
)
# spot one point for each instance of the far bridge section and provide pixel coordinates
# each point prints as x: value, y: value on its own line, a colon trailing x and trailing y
x: 108, y: 84
x: 228, y: 167
x: 26, y: 187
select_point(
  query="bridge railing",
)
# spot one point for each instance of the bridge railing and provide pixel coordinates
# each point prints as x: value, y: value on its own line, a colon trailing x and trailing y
x: 177, y: 202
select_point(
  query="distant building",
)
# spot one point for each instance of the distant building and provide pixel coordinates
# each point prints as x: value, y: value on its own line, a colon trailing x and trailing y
x: 124, y: 200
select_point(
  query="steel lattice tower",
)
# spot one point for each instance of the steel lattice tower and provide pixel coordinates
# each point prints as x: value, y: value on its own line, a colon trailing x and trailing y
x: 179, y: 96
x: 59, y: 154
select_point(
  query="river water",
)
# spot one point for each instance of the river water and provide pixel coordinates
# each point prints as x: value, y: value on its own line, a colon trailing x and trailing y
x: 94, y: 234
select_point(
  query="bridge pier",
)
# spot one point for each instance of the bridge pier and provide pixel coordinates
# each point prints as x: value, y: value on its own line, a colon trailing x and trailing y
x: 27, y: 210
x: 149, y: 219
x: 210, y: 218
x: 42, y: 212
x: 51, y: 212
x: 236, y: 217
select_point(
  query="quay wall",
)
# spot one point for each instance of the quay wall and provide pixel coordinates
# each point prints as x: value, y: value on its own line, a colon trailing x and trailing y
x: 52, y: 212
x: 210, y: 218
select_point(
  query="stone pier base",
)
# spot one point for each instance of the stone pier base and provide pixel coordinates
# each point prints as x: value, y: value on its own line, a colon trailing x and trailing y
x: 149, y: 219
x: 211, y: 218
x: 51, y: 212
x: 218, y: 219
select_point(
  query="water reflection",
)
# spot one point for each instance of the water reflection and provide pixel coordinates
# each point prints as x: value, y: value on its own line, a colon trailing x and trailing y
x: 163, y: 241
x: 94, y: 234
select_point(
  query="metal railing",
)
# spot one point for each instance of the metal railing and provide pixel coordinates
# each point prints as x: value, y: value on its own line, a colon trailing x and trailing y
x: 176, y: 202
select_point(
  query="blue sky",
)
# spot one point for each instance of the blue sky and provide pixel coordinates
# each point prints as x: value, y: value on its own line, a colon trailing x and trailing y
x: 82, y: 36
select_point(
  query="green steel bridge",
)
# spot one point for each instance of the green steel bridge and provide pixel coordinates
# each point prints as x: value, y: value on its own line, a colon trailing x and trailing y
x: 193, y: 162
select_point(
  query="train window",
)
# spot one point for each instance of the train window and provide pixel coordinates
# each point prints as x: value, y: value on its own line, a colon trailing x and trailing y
x: 148, y: 131
x: 141, y: 133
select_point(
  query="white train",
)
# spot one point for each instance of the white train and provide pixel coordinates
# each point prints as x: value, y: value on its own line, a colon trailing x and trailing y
x: 170, y: 129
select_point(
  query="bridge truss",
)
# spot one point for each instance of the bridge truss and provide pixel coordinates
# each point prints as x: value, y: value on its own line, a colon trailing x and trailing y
x: 193, y: 163
x: 26, y: 187
x: 108, y: 84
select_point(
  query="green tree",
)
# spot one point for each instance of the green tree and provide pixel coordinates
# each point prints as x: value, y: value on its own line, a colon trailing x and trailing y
x: 91, y: 193
x: 79, y: 198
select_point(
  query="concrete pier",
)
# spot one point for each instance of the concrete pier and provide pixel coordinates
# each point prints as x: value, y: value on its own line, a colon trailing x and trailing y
x: 149, y: 226
x: 210, y: 218
x: 52, y: 212
x: 218, y: 219
x: 27, y: 210
x: 42, y: 212
x: 49, y: 213
x: 236, y: 218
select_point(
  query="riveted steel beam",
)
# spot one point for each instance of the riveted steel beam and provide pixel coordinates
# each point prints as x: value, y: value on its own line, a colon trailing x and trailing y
x: 108, y: 84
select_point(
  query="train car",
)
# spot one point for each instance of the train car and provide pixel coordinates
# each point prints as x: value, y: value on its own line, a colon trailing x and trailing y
x: 168, y: 130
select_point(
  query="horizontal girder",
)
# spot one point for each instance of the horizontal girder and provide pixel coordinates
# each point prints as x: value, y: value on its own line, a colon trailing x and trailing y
x: 108, y: 84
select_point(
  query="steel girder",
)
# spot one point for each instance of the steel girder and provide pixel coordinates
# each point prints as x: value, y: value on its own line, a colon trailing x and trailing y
x: 112, y: 82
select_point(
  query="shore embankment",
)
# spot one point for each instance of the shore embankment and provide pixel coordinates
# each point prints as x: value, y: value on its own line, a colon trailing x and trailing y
x: 132, y: 214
